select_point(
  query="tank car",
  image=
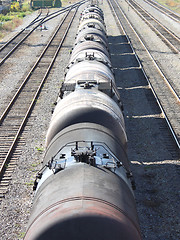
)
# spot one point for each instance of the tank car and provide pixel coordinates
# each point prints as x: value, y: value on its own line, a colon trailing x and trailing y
x: 93, y: 9
x: 92, y: 12
x: 85, y: 187
x: 92, y: 22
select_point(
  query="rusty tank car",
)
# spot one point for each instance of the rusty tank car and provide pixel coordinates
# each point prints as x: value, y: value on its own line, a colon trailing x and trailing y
x: 85, y: 188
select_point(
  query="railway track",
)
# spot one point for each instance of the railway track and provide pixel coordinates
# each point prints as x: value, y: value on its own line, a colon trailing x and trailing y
x: 15, y: 116
x: 14, y: 37
x: 164, y: 10
x: 166, y: 97
x: 9, y: 47
x: 168, y: 37
x: 168, y: 80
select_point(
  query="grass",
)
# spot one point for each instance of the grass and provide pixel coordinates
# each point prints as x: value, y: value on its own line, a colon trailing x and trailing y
x: 34, y: 164
x: 40, y: 149
x: 21, y: 235
x: 34, y: 167
x: 67, y: 2
x: 30, y: 184
x: 13, y: 18
x: 174, y: 5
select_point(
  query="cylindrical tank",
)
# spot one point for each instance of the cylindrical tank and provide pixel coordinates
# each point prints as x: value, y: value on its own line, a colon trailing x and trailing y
x: 91, y: 21
x: 90, y: 70
x: 91, y: 32
x: 87, y: 106
x: 90, y: 53
x: 93, y: 9
x: 91, y: 15
x: 84, y: 189
x: 83, y: 202
x: 88, y: 132
x: 93, y: 44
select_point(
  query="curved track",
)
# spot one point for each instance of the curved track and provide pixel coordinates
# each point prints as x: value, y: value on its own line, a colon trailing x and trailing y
x: 14, y: 37
x: 162, y: 89
x: 9, y: 47
x: 16, y: 114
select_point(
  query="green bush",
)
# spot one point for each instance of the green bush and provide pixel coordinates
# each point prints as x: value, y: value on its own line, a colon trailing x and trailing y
x: 13, y: 17
x: 6, y: 18
x: 21, y: 15
x: 26, y: 7
x: 15, y: 7
x: 1, y: 35
x: 8, y: 26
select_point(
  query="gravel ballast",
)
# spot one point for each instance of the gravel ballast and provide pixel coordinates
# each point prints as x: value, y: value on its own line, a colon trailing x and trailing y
x: 155, y: 164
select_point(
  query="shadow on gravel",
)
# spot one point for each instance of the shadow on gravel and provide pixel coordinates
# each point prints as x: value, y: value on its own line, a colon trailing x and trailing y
x: 151, y: 150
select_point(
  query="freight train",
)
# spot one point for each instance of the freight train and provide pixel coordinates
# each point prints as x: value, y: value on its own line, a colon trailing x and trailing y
x: 85, y: 188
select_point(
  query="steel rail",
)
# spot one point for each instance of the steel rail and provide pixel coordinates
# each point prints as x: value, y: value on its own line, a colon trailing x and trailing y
x: 9, y: 154
x: 4, y: 114
x: 153, y: 91
x: 164, y: 10
x: 153, y: 60
x: 15, y: 36
x: 135, y: 6
x: 39, y: 22
x: 19, y: 43
x: 36, y: 20
x: 56, y: 13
